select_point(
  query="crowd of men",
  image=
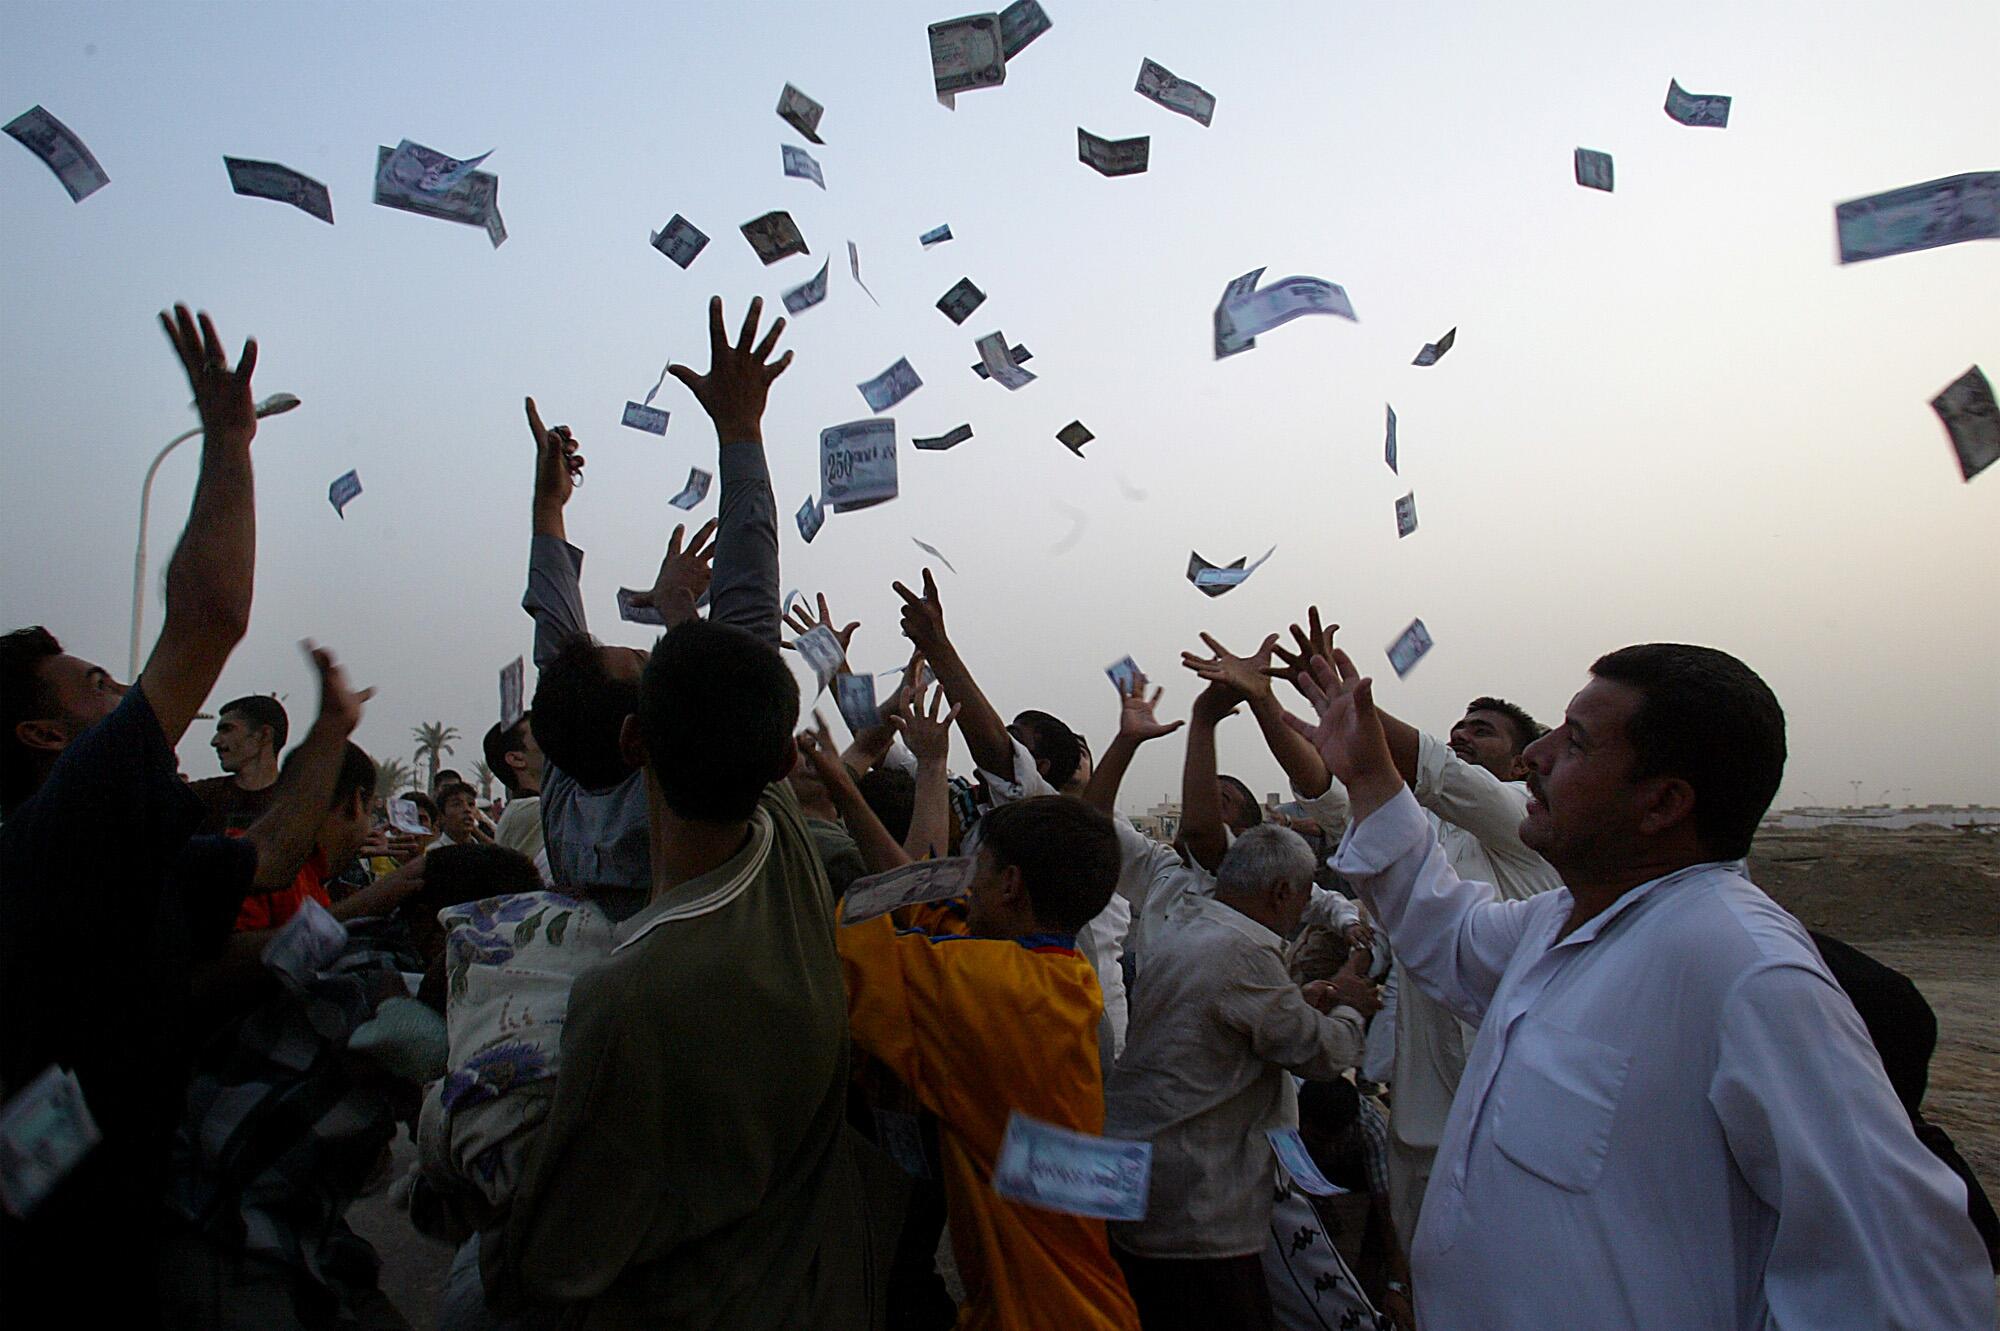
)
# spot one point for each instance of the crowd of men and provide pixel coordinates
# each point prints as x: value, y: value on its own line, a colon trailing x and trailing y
x: 1513, y: 987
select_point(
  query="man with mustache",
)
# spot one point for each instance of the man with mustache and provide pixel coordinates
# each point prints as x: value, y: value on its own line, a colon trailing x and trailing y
x: 1671, y: 1115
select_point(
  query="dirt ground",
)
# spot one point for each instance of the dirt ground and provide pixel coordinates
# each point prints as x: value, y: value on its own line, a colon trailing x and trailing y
x: 1926, y: 902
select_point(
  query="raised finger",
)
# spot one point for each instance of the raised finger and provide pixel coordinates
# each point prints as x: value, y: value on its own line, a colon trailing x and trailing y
x: 674, y: 541
x: 535, y: 422
x: 770, y: 341
x: 1214, y: 646
x: 750, y: 317
x: 930, y: 587
x: 211, y: 342
x: 1312, y: 617
x: 778, y: 367
x: 718, y: 339
x: 825, y: 615
x: 1154, y: 701
x: 1343, y: 665
x: 908, y: 596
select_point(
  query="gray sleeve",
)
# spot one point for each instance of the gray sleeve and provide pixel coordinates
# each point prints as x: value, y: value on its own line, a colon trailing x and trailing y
x: 555, y: 595
x: 744, y: 591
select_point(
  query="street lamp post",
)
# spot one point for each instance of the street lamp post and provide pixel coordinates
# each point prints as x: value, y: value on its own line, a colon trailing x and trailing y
x: 274, y: 405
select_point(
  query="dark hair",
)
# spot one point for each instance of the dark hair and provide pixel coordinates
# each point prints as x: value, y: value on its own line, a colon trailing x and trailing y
x: 1067, y: 853
x: 500, y: 742
x: 1708, y: 719
x: 451, y: 788
x: 355, y: 777
x: 24, y: 696
x: 446, y: 777
x: 892, y: 794
x: 422, y: 801
x: 1329, y: 1108
x: 1526, y: 728
x: 454, y: 875
x: 579, y: 710
x: 1051, y: 742
x: 1249, y: 800
x: 259, y: 710
x: 716, y: 709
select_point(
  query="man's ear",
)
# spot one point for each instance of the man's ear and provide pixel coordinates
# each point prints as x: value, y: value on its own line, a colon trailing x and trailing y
x: 787, y: 763
x: 1517, y: 767
x: 1011, y: 891
x: 1042, y: 768
x: 1670, y: 803
x: 517, y: 759
x: 631, y: 744
x: 48, y: 736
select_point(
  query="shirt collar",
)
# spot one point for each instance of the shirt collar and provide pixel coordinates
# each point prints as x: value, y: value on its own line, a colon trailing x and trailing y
x: 708, y: 893
x: 1604, y: 919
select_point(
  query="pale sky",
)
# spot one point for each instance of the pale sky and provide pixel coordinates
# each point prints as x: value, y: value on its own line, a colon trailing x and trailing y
x: 1670, y: 413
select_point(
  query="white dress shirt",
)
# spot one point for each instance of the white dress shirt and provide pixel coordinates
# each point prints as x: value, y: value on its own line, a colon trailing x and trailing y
x: 1671, y: 1118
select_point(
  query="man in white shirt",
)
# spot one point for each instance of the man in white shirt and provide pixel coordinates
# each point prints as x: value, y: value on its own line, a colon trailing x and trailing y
x: 1671, y: 1116
x: 1217, y: 1029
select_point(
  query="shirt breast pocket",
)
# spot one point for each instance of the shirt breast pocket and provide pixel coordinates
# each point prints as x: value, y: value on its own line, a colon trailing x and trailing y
x: 1555, y: 1099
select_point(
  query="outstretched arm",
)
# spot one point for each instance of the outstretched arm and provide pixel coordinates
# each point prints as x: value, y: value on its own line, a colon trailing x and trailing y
x: 554, y: 598
x: 1249, y: 676
x: 1136, y: 725
x: 212, y: 572
x: 1202, y: 829
x: 879, y: 850
x: 985, y: 733
x: 285, y: 833
x: 1314, y: 640
x: 928, y: 733
x: 733, y: 392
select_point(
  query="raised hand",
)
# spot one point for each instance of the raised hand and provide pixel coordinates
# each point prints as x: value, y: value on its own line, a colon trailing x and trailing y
x: 923, y: 618
x: 1215, y: 702
x: 1136, y: 720
x: 1312, y: 641
x: 928, y: 733
x: 684, y: 575
x: 1349, y: 735
x: 801, y: 620
x: 339, y: 705
x: 222, y: 395
x: 558, y: 466
x: 738, y: 382
x: 816, y: 746
x: 1247, y: 675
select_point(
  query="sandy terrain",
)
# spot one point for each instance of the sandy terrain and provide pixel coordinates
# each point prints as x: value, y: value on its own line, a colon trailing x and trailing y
x: 1925, y: 902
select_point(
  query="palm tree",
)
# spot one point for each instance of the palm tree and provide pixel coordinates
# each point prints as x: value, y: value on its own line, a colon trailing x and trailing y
x: 485, y: 775
x: 391, y: 778
x: 433, y: 740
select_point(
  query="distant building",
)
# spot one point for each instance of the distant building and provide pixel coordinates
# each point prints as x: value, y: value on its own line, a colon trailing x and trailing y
x: 1883, y: 816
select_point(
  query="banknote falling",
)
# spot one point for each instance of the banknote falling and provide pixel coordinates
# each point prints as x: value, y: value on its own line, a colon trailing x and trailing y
x: 60, y: 150
x: 1593, y: 169
x: 1920, y: 217
x: 1113, y: 157
x: 1433, y: 352
x: 935, y: 236
x: 1228, y: 341
x: 820, y: 649
x: 800, y: 164
x: 967, y: 53
x: 695, y: 490
x: 1020, y: 23
x: 680, y: 240
x: 1074, y: 436
x: 808, y: 293
x: 854, y: 268
x: 801, y: 112
x: 344, y: 491
x: 1972, y: 418
x: 934, y: 553
x: 855, y: 696
x: 1389, y: 445
x: 644, y: 415
x: 472, y: 199
x: 281, y: 184
x: 1282, y: 301
x: 1124, y: 674
x: 1409, y: 648
x: 857, y: 464
x: 1213, y: 580
x: 1017, y: 353
x: 958, y: 303
x: 774, y: 236
x: 939, y: 443
x: 1001, y: 366
x: 1406, y: 515
x: 1698, y: 110
x: 1177, y: 95
x: 811, y: 517
x: 891, y: 386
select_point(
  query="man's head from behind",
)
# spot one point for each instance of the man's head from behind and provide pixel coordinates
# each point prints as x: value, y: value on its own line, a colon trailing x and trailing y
x: 513, y: 755
x: 1492, y: 734
x: 250, y: 730
x: 454, y: 875
x: 1267, y: 874
x: 716, y: 711
x: 1669, y: 756
x: 582, y: 697
x: 1046, y: 865
x: 1060, y: 754
x: 47, y: 699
